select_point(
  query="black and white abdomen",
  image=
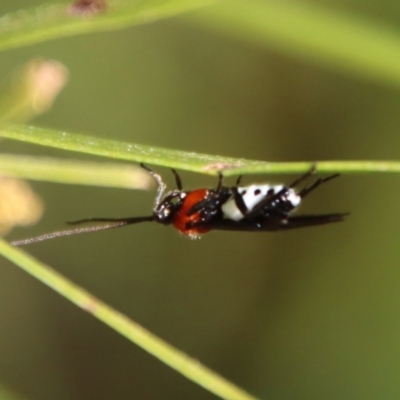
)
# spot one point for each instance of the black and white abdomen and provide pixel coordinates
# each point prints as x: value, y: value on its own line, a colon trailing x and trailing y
x: 287, y: 200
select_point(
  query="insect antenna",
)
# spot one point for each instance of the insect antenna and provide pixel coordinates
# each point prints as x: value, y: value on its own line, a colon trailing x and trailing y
x: 161, y: 185
x: 112, y: 223
x: 95, y: 219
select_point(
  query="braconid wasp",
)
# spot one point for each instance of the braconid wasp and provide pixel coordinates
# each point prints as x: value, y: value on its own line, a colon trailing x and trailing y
x: 253, y: 208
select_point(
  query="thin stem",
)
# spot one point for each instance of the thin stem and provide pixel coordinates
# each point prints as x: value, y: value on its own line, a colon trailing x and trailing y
x: 189, y: 161
x: 57, y: 20
x: 134, y: 332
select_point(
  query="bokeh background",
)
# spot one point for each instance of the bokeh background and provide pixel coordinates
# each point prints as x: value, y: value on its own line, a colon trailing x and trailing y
x: 310, y: 314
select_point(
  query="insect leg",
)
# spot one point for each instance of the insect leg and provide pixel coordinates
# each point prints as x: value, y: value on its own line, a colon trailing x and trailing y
x: 268, y: 201
x: 239, y: 202
x: 212, y: 202
x: 177, y: 179
x: 304, y: 192
x: 220, y: 180
x: 304, y: 176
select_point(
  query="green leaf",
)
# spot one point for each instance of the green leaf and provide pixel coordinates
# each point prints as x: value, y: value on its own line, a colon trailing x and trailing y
x: 340, y: 42
x: 57, y: 20
x: 188, y: 367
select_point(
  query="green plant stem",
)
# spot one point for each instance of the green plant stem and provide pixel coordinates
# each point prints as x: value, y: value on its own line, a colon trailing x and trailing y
x: 188, y: 367
x: 53, y: 21
x: 109, y: 174
x: 189, y: 161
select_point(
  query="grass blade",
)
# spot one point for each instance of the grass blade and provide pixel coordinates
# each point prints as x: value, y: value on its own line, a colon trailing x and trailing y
x: 53, y: 21
x: 348, y: 44
x: 188, y: 367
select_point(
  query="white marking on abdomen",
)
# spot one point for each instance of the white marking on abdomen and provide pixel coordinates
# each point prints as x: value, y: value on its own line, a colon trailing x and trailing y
x: 252, y: 195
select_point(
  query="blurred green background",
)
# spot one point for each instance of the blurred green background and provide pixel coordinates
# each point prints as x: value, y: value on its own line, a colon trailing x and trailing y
x: 310, y: 314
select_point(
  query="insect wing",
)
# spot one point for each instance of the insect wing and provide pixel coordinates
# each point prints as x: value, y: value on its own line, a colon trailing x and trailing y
x: 272, y: 224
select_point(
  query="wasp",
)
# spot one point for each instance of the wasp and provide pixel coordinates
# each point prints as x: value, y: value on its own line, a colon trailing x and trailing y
x: 252, y: 208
